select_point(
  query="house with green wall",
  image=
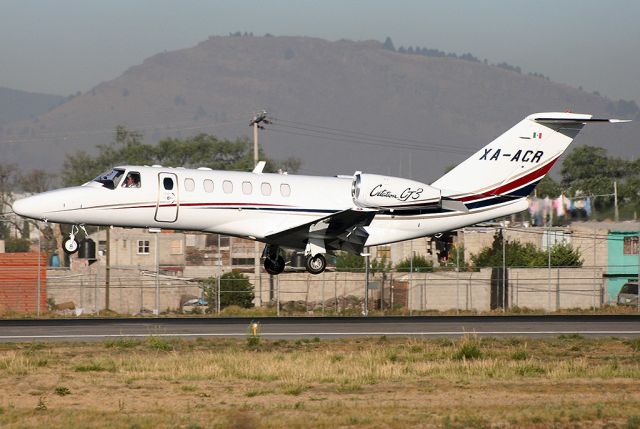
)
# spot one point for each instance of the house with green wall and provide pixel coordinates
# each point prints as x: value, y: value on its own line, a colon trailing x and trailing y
x: 623, y: 260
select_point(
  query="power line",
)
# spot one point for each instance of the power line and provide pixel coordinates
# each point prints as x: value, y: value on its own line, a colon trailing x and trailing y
x: 82, y: 133
x: 420, y: 143
x: 345, y: 139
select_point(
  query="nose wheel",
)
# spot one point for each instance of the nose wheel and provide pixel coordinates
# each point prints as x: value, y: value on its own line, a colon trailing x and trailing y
x: 315, y: 264
x: 71, y: 245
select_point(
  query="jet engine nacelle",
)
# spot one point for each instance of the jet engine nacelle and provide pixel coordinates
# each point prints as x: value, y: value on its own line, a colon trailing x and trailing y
x: 392, y: 193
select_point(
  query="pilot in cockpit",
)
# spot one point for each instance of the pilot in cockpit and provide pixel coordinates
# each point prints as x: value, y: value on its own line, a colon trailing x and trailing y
x: 132, y: 180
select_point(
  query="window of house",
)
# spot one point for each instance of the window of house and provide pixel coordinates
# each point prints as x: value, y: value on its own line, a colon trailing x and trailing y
x: 227, y: 187
x: 143, y: 247
x: 247, y: 188
x: 384, y: 252
x: 554, y: 236
x: 266, y: 188
x: 242, y: 261
x: 212, y: 240
x: 208, y: 185
x: 285, y: 190
x: 189, y: 184
x: 176, y: 247
x: 631, y: 245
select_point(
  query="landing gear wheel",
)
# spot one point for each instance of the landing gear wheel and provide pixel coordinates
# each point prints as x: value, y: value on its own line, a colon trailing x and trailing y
x: 71, y: 246
x: 315, y: 264
x: 274, y: 267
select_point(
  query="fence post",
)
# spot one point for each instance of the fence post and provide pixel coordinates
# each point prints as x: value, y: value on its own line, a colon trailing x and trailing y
x: 38, y: 295
x: 548, y: 272
x: 594, y: 268
x: 277, y: 295
x: 458, y: 276
x: 324, y: 277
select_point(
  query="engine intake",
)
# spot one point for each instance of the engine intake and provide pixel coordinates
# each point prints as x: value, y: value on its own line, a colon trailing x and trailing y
x: 392, y: 193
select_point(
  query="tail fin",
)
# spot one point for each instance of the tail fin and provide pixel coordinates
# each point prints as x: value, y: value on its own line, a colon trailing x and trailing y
x: 511, y: 166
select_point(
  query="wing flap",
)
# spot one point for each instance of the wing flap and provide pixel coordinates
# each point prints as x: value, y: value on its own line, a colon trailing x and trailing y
x: 344, y: 230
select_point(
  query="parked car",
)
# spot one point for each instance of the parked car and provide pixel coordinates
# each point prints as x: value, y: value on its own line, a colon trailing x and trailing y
x: 628, y: 295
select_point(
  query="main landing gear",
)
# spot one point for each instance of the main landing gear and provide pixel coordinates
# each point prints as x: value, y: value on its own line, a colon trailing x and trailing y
x: 315, y: 264
x: 71, y: 245
x: 274, y: 263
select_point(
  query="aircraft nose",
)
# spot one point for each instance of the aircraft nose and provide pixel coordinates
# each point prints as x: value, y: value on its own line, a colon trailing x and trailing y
x: 28, y: 207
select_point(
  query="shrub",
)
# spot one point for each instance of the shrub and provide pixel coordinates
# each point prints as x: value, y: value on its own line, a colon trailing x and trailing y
x: 420, y: 265
x: 526, y: 255
x: 235, y: 289
x: 469, y: 349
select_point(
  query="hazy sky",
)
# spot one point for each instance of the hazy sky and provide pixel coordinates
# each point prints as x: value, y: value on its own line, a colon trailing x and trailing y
x: 62, y: 46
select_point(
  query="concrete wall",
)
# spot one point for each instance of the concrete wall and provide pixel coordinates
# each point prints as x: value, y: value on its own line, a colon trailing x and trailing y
x: 449, y: 290
x: 528, y: 287
x: 130, y: 291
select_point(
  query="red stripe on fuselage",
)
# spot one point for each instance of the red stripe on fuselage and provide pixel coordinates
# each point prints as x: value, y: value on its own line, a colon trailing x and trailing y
x: 537, y: 174
x: 203, y: 204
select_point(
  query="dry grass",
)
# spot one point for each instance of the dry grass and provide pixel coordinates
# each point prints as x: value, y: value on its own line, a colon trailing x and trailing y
x: 470, y: 382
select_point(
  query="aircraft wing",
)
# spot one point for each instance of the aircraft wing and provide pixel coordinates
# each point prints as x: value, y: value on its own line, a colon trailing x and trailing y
x: 340, y: 231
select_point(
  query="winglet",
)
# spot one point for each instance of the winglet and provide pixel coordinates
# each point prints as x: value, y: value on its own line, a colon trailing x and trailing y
x: 259, y: 167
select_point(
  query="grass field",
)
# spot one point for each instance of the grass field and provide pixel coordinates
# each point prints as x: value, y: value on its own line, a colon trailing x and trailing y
x: 566, y: 381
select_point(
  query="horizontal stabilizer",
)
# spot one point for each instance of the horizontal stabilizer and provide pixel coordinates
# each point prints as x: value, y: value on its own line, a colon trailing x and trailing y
x: 578, y: 121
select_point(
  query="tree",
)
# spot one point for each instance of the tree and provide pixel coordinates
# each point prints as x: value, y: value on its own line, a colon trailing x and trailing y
x: 588, y: 169
x: 381, y: 265
x: 548, y: 188
x: 235, y: 289
x: 346, y: 261
x: 36, y: 181
x: 388, y: 44
x: 8, y: 179
x: 420, y: 265
x: 525, y: 255
x: 202, y: 150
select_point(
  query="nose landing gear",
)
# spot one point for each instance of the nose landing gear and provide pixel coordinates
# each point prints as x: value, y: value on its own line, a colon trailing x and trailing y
x: 71, y: 245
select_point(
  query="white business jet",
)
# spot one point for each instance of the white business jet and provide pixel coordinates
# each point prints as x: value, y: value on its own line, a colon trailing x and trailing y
x: 317, y: 215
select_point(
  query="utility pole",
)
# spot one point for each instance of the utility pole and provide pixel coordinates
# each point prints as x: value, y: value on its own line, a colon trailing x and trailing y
x: 366, y: 282
x: 615, y: 200
x: 107, y: 274
x: 39, y: 294
x: 257, y: 122
x: 504, y: 271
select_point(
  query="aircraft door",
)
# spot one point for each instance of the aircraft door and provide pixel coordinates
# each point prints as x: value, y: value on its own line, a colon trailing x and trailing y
x: 167, y: 207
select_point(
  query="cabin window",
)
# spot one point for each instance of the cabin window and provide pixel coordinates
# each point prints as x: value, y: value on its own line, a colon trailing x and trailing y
x: 189, y: 184
x: 208, y: 185
x: 285, y: 190
x: 167, y: 182
x: 247, y: 188
x: 132, y: 180
x: 266, y: 188
x: 227, y: 187
x: 143, y: 247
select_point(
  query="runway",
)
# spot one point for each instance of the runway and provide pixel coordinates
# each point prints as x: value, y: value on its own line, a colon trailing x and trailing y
x: 323, y: 327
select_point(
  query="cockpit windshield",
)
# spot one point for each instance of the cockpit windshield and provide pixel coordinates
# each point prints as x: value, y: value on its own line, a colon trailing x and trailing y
x: 110, y: 179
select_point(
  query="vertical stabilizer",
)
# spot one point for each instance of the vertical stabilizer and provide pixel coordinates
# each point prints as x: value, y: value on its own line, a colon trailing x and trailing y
x: 512, y: 165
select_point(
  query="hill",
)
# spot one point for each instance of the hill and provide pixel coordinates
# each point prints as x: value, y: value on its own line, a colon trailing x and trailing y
x: 419, y: 113
x: 19, y: 105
